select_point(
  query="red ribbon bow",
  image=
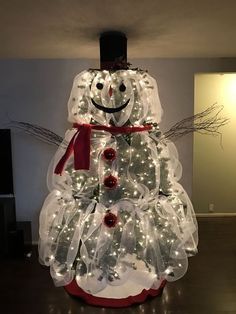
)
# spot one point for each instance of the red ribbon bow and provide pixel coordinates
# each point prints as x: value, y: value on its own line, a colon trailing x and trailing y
x: 80, y: 143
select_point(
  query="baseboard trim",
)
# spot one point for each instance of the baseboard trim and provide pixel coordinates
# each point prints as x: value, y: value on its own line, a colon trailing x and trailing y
x: 215, y: 214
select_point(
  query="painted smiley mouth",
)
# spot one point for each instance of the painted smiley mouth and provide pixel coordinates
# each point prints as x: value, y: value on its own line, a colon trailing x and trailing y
x: 110, y: 110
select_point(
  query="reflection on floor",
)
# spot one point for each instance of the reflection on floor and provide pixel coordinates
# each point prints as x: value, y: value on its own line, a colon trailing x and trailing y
x: 209, y: 287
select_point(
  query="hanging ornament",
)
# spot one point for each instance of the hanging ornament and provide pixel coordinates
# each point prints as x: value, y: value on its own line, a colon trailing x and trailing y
x: 110, y: 220
x: 110, y: 182
x: 109, y: 154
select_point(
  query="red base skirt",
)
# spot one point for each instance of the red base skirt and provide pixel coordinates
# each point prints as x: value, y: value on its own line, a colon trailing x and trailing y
x: 74, y: 290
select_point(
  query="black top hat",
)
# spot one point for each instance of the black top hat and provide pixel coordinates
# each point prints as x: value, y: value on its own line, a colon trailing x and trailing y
x: 113, y: 51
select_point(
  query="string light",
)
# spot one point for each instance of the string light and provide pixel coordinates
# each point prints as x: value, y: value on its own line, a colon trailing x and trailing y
x: 150, y: 210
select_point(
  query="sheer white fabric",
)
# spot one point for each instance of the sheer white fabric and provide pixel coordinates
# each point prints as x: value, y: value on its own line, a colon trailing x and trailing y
x: 156, y: 229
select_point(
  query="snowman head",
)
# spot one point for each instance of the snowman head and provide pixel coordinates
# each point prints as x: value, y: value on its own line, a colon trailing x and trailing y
x: 124, y: 97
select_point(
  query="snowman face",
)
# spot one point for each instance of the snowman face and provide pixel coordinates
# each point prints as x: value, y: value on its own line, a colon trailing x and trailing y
x: 117, y: 98
x: 111, y: 93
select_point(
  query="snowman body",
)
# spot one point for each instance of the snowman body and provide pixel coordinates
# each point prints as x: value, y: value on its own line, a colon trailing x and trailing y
x: 122, y: 224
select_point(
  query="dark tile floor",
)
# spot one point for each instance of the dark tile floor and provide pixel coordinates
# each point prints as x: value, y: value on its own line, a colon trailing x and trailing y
x: 209, y: 287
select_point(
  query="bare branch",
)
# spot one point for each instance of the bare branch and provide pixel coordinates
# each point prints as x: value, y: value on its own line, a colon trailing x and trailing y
x: 206, y: 122
x: 38, y: 132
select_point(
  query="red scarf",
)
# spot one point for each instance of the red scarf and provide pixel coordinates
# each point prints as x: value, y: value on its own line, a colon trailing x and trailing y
x: 80, y: 143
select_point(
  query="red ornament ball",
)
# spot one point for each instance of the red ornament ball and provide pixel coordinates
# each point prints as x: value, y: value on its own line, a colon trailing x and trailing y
x: 109, y: 154
x: 110, y: 220
x: 110, y: 182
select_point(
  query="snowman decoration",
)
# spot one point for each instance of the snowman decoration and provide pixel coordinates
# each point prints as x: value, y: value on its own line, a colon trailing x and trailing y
x: 117, y: 224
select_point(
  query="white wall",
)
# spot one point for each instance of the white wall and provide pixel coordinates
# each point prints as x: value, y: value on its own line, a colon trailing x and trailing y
x: 36, y: 91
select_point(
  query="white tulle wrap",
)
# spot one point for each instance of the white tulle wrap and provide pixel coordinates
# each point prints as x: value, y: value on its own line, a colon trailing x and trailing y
x: 156, y: 229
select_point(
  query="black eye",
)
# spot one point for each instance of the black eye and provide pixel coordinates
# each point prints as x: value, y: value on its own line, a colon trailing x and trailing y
x: 122, y: 87
x: 99, y: 86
